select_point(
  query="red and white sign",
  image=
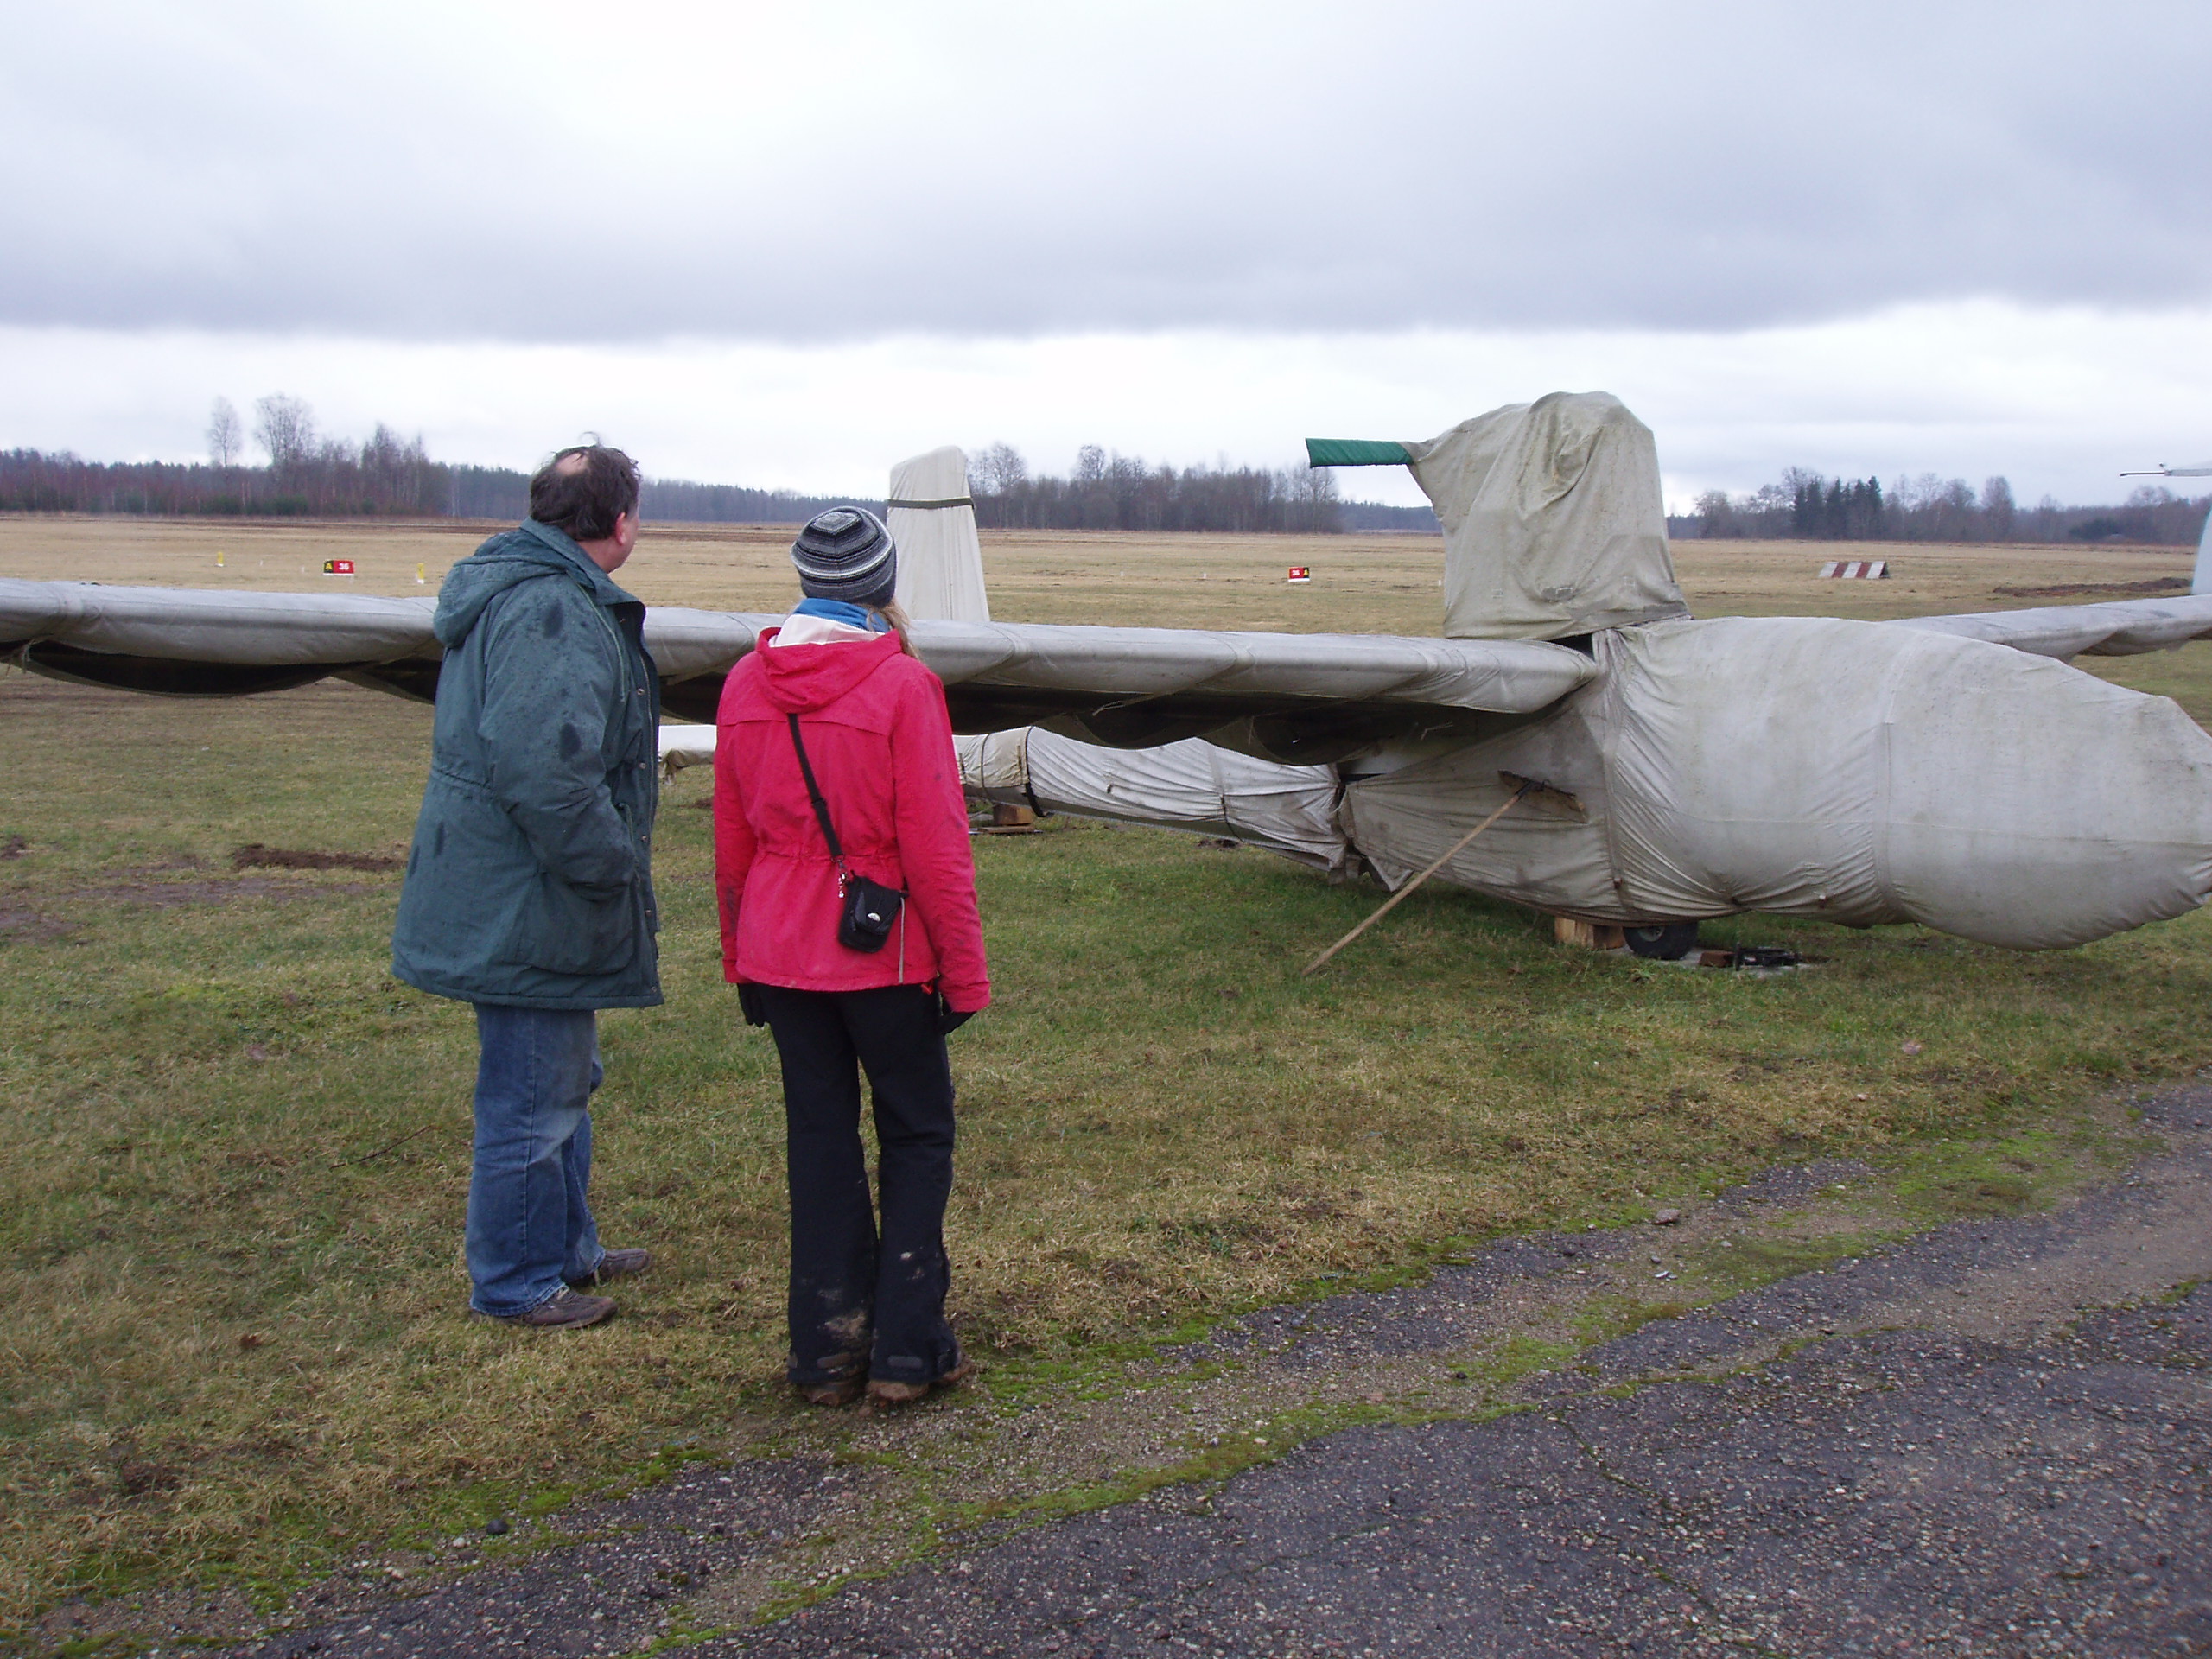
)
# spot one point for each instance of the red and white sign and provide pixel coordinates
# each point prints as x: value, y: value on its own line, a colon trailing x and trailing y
x: 1300, y: 573
x: 1875, y: 570
x: 338, y: 567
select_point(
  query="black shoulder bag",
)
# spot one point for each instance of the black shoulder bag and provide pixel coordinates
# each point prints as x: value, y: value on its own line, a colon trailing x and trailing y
x: 867, y: 910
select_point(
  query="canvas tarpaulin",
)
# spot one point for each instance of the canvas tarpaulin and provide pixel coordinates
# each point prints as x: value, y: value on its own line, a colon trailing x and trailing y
x: 2126, y: 627
x: 1192, y: 785
x: 1553, y: 522
x: 933, y: 518
x: 1855, y: 771
x: 218, y: 625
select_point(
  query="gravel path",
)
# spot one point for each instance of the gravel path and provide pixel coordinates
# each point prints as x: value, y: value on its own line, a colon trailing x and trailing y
x: 1899, y: 1493
x: 1928, y: 1449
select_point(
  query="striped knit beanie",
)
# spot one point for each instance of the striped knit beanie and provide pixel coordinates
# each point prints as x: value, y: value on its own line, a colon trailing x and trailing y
x: 846, y: 553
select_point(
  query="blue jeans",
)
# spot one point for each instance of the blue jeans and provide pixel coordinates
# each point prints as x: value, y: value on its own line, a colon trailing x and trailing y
x: 529, y: 1229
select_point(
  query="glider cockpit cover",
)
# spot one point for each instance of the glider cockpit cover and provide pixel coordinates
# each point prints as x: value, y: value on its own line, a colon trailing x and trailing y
x: 1553, y: 522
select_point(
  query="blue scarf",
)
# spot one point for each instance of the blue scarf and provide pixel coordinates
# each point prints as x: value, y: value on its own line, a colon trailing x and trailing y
x: 837, y: 610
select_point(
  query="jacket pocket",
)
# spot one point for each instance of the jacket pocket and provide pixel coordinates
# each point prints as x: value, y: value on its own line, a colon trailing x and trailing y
x: 563, y: 930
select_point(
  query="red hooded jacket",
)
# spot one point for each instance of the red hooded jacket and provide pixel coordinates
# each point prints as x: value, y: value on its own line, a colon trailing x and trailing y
x: 880, y: 744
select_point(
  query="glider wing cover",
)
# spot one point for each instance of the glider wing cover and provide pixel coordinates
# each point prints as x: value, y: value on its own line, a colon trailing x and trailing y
x: 2126, y: 627
x: 216, y: 624
x: 1192, y: 785
x: 1126, y: 687
x: 1495, y: 675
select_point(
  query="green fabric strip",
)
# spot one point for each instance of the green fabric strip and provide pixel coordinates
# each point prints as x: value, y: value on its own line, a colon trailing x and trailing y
x: 1354, y: 452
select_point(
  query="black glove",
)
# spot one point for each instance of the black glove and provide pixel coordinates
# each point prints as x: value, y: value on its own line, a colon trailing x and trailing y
x: 950, y: 1019
x: 752, y: 1004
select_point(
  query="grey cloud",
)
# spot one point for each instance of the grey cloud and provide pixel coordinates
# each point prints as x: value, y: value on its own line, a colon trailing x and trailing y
x: 1596, y: 166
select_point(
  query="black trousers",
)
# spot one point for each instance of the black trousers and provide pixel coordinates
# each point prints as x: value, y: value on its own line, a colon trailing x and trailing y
x: 861, y: 1297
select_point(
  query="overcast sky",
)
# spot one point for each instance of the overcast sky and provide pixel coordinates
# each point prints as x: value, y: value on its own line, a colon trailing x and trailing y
x: 785, y: 245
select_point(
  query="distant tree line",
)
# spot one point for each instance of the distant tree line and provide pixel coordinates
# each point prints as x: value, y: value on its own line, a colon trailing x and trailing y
x: 310, y: 474
x: 1116, y: 492
x: 502, y: 493
x: 307, y: 474
x: 1375, y: 514
x: 1807, y: 506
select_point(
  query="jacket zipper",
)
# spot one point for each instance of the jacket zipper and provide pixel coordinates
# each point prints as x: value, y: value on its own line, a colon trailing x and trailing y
x: 623, y: 670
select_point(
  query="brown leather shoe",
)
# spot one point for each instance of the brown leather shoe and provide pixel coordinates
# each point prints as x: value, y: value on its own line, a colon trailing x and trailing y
x: 569, y: 1310
x: 842, y: 1392
x: 616, y: 1264
x: 881, y: 1392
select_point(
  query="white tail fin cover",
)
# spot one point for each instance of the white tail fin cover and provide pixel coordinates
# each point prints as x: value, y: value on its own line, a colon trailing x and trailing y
x: 940, y: 560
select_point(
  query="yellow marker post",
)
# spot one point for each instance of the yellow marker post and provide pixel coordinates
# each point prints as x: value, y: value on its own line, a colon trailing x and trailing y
x: 219, y: 558
x: 420, y: 581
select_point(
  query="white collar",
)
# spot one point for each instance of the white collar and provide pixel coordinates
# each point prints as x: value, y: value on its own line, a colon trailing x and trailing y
x: 799, y: 629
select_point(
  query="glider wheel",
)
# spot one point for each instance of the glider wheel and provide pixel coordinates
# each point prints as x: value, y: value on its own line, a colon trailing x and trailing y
x: 1668, y: 943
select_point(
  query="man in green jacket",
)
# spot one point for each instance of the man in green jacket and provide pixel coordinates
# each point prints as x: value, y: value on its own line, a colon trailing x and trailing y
x: 528, y: 888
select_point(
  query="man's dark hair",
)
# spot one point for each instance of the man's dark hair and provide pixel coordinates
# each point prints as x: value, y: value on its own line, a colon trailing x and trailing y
x: 583, y: 490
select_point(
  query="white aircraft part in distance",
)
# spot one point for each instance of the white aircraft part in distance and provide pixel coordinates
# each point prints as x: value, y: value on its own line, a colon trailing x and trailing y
x: 2201, y: 580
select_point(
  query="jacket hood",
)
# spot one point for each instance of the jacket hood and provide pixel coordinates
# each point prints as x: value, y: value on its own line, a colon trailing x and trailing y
x: 510, y: 558
x: 799, y: 678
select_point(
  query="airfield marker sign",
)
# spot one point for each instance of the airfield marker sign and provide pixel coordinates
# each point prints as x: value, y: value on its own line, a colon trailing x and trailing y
x: 338, y: 567
x: 1300, y: 573
x: 1873, y: 569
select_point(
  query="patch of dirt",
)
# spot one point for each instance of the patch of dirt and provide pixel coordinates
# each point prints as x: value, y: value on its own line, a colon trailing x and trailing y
x: 171, y: 895
x: 137, y: 1478
x: 215, y: 1613
x: 31, y: 924
x: 2156, y: 585
x: 2110, y: 1247
x: 255, y: 856
x: 14, y: 847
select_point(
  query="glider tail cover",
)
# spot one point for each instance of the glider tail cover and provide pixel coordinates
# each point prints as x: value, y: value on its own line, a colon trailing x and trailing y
x: 932, y: 517
x: 2201, y: 580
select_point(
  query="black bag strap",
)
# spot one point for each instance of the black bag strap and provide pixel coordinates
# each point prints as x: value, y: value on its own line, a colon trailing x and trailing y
x: 814, y: 793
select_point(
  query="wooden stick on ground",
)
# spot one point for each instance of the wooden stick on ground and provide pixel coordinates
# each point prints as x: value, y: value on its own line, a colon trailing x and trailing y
x: 1392, y: 902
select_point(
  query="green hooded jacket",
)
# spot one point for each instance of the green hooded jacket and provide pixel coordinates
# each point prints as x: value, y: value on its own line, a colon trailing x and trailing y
x: 529, y: 882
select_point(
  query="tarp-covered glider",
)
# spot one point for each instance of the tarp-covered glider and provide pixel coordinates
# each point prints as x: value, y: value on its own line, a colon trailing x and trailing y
x: 1863, y: 771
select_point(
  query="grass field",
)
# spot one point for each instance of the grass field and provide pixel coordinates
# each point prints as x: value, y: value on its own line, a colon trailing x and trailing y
x: 230, y: 1217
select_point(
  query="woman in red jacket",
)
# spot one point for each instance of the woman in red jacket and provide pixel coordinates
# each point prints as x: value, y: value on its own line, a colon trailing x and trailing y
x: 837, y: 690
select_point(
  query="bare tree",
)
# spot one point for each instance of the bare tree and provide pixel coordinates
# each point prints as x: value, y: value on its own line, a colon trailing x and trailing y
x: 998, y: 470
x: 1312, y: 491
x: 225, y: 436
x: 1954, y: 511
x: 284, y: 426
x: 1717, y: 516
x: 1998, y: 508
